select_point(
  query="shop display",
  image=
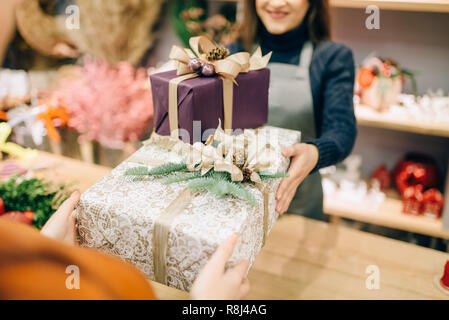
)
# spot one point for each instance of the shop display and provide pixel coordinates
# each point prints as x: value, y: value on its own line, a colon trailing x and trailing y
x: 168, y: 223
x: 416, y: 178
x: 380, y: 82
x: 231, y: 88
x: 30, y: 201
x: 100, y: 34
x: 14, y: 88
x: 345, y: 184
x: 190, y: 19
x: 107, y: 103
x: 381, y: 178
x: 11, y: 148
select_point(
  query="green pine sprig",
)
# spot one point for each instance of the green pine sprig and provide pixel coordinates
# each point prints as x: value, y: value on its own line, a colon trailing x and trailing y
x: 221, y: 187
x: 267, y: 175
x: 218, y: 183
x: 156, y: 171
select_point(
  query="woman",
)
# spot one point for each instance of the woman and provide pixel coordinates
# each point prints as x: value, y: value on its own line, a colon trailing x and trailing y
x: 34, y: 266
x: 311, y: 90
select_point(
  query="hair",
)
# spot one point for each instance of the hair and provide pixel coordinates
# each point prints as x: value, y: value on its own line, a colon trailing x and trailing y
x: 318, y: 22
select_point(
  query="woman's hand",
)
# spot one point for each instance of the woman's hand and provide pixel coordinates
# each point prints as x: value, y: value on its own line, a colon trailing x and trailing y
x: 304, y: 159
x: 213, y: 283
x: 61, y: 225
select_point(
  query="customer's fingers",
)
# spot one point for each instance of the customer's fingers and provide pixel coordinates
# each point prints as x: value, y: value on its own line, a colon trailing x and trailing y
x: 238, y: 273
x: 69, y: 205
x: 222, y: 254
x: 244, y: 289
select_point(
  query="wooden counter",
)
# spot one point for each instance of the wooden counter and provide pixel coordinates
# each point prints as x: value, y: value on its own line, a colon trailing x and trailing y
x: 305, y: 259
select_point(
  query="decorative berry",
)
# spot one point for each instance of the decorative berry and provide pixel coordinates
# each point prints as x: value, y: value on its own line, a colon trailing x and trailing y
x: 208, y: 70
x: 195, y: 65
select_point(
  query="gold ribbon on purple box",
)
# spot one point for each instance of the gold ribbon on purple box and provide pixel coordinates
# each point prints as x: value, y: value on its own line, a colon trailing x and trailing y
x: 227, y: 68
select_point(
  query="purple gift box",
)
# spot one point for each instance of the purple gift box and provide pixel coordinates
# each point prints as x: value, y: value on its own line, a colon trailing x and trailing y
x: 201, y: 99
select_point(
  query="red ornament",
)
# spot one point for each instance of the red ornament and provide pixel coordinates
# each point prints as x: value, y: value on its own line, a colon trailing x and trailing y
x: 24, y: 217
x: 381, y: 177
x: 2, y: 207
x: 433, y: 202
x: 412, y: 198
x: 416, y: 169
x: 445, y: 278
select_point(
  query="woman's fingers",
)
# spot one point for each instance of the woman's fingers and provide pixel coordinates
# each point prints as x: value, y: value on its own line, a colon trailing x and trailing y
x: 290, y: 151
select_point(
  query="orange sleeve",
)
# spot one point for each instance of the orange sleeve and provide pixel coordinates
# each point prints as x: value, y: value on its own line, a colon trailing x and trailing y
x: 33, y: 266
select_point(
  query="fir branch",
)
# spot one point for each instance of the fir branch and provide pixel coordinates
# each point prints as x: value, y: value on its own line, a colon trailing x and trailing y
x: 156, y: 171
x: 182, y: 177
x: 267, y: 175
x: 137, y: 171
x: 221, y: 187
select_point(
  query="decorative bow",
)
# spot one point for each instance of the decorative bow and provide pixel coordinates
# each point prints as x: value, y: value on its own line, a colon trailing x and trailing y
x: 228, y: 67
x: 242, y: 156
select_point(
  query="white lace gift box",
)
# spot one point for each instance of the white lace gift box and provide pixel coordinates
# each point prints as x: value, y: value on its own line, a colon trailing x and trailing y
x: 117, y: 215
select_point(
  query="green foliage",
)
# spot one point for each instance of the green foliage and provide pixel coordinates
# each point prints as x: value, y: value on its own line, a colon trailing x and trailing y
x: 218, y: 183
x: 179, y: 25
x: 182, y: 177
x: 32, y: 195
x: 220, y: 186
x: 156, y: 171
x: 267, y: 175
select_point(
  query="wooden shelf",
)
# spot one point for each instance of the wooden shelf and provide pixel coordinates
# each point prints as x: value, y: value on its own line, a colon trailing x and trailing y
x: 370, y: 118
x: 402, y: 5
x: 411, y: 5
x: 388, y: 215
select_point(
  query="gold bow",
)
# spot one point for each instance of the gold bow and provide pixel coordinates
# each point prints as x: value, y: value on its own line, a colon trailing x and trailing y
x: 232, y: 154
x: 228, y: 67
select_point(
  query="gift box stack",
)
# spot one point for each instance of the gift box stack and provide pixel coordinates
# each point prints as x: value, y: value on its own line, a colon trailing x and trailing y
x: 168, y: 207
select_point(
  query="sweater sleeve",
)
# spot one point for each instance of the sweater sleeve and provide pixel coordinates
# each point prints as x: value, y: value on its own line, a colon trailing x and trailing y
x: 338, y: 123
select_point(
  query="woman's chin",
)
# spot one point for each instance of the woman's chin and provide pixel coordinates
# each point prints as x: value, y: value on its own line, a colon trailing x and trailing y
x: 274, y: 28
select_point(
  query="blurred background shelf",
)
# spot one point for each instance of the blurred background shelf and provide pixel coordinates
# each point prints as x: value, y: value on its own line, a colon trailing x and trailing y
x: 411, y: 5
x: 388, y: 215
x: 370, y: 118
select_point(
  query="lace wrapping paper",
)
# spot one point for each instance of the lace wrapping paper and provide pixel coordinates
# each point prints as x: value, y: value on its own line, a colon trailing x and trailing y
x: 117, y: 214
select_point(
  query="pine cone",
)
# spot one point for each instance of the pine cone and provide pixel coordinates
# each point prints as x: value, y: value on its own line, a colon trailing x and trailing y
x: 217, y: 54
x: 246, y: 174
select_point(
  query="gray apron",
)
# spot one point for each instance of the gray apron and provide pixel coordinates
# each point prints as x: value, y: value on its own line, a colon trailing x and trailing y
x: 291, y: 107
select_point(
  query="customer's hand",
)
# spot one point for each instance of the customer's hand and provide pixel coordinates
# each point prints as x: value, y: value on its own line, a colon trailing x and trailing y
x: 304, y: 159
x: 213, y: 283
x: 61, y: 225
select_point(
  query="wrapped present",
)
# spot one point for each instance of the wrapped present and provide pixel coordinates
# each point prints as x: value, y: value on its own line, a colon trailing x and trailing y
x: 167, y: 208
x: 209, y: 85
x: 433, y: 202
x: 412, y: 198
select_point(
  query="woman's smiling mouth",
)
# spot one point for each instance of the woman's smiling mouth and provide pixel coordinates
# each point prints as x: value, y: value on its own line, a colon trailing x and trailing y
x: 277, y: 14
